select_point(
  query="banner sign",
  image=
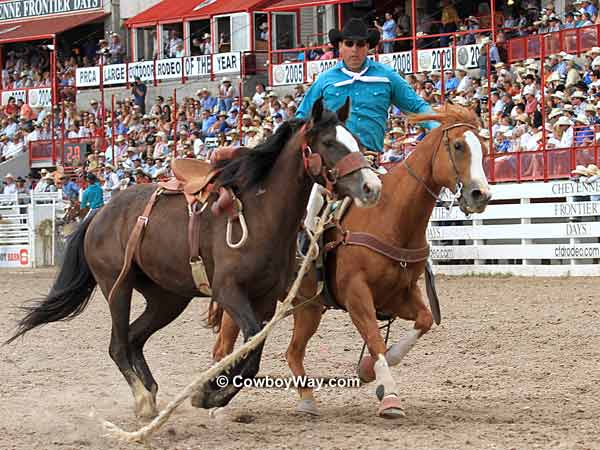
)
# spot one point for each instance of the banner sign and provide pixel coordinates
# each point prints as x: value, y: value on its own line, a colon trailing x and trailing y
x: 14, y: 256
x: 20, y: 94
x: 467, y: 56
x: 162, y: 69
x: 21, y: 9
x: 36, y: 98
x: 39, y: 98
x: 88, y: 76
x: 435, y: 59
x: 114, y: 74
x: 288, y: 74
x: 197, y: 66
x: 227, y: 62
x: 401, y: 62
x: 142, y: 69
x: 315, y: 68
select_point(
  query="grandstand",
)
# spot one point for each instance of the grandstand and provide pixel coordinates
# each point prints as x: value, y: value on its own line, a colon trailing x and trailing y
x: 530, y: 71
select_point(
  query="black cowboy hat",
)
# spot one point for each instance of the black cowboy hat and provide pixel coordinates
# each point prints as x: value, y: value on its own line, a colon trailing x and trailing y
x: 354, y: 30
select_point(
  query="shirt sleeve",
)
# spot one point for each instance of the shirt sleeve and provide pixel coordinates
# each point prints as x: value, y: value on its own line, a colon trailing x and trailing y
x: 313, y: 93
x: 407, y: 100
x: 85, y: 199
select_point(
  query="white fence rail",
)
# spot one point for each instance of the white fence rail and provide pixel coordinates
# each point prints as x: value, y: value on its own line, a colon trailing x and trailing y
x: 529, y: 229
x: 546, y: 229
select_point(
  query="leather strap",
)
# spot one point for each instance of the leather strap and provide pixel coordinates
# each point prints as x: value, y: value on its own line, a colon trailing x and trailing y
x: 133, y: 243
x: 196, y: 263
x: 401, y: 255
x: 350, y: 163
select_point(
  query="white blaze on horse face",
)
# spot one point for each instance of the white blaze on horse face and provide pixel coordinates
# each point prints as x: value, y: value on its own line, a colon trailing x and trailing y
x: 477, y: 173
x: 344, y: 137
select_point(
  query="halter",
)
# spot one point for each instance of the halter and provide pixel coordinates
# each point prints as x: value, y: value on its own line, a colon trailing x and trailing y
x: 459, y: 184
x: 314, y: 165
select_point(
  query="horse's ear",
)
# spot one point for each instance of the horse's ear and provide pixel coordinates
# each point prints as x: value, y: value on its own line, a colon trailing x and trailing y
x: 317, y: 110
x: 344, y: 112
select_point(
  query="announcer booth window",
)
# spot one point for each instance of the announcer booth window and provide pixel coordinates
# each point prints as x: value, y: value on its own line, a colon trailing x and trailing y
x: 145, y: 44
x: 284, y: 31
x: 200, y: 39
x: 172, y: 40
x: 261, y: 31
x: 232, y: 33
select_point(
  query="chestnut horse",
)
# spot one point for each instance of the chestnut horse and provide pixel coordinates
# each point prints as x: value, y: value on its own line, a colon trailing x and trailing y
x: 367, y: 283
x: 273, y: 181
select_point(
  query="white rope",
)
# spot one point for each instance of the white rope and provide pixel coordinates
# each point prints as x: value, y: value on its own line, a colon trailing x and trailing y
x: 143, y: 434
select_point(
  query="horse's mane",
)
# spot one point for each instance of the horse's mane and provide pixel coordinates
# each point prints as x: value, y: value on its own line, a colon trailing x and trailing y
x: 447, y: 115
x: 251, y: 166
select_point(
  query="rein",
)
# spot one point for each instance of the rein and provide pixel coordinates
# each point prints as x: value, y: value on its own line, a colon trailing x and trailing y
x: 459, y: 184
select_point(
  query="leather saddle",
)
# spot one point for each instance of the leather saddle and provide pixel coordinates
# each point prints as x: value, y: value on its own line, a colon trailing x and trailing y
x: 195, y: 179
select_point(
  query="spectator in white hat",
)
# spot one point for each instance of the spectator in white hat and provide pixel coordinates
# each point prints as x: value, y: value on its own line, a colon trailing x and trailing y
x: 9, y: 184
x: 226, y: 93
x: 563, y: 130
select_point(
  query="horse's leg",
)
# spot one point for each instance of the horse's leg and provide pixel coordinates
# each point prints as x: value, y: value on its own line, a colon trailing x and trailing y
x: 412, y: 309
x: 360, y: 306
x: 306, y: 322
x: 162, y: 307
x: 236, y: 303
x: 119, y: 349
x: 228, y: 333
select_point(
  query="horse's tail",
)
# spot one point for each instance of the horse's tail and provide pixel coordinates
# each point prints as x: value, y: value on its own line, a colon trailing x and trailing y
x: 214, y: 316
x: 71, y: 291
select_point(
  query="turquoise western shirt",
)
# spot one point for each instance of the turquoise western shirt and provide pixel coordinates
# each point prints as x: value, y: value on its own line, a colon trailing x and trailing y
x: 92, y: 197
x: 370, y: 101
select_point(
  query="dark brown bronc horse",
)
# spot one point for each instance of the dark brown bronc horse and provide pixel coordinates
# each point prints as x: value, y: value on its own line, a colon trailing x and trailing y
x: 273, y: 181
x: 378, y: 255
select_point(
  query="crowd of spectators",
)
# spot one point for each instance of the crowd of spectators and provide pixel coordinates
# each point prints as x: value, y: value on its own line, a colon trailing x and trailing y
x: 135, y: 143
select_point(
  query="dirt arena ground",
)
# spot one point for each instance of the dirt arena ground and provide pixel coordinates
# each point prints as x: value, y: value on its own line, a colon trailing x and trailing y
x: 514, y: 365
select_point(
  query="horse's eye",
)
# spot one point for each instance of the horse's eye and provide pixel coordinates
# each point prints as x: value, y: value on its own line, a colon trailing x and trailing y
x: 330, y: 142
x: 458, y: 146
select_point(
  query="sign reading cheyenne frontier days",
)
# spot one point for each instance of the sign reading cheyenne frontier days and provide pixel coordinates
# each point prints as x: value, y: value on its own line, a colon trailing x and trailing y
x: 21, y: 9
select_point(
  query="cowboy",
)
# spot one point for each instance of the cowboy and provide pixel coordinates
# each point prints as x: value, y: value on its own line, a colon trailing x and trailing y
x: 92, y: 196
x: 372, y: 87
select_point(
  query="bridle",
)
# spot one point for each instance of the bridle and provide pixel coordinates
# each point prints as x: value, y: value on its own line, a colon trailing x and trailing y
x: 314, y: 165
x: 459, y: 184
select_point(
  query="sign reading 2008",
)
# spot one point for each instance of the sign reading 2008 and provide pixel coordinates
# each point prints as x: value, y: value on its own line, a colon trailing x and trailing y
x: 20, y: 9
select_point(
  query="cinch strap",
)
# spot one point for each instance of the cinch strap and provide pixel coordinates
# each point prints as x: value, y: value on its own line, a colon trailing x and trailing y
x: 360, y: 77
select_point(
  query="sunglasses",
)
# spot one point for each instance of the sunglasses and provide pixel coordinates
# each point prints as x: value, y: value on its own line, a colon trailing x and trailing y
x: 359, y: 44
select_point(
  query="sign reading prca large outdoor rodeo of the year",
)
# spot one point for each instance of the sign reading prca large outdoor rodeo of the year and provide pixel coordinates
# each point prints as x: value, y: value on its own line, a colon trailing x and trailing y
x: 21, y: 9
x: 161, y: 69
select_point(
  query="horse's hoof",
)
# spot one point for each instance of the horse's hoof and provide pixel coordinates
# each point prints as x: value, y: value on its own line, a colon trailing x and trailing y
x: 366, y: 369
x: 309, y: 407
x: 390, y: 408
x: 146, y: 411
x: 198, y: 400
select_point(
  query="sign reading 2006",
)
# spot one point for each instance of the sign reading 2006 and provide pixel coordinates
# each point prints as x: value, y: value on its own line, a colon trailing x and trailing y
x: 20, y: 9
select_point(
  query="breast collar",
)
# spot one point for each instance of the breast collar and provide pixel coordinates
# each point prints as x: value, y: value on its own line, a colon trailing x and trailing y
x: 360, y: 76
